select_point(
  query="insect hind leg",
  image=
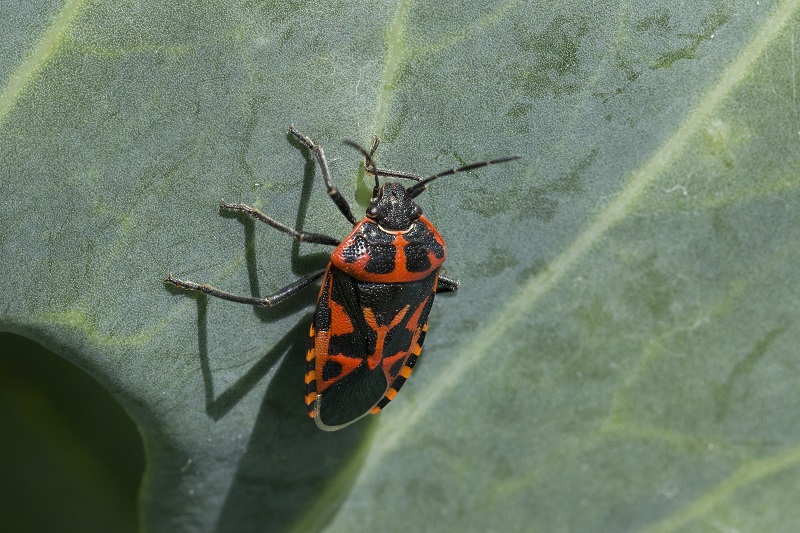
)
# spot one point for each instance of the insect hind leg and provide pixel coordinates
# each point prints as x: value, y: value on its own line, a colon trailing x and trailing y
x: 267, y: 301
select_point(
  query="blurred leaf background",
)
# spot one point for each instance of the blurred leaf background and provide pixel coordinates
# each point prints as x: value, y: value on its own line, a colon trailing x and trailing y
x: 622, y: 354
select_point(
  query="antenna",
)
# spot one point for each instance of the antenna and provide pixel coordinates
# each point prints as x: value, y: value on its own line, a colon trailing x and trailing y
x: 421, y: 185
x: 417, y: 189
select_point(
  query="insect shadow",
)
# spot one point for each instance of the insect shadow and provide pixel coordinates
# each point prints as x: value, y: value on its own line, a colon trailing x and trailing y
x: 288, y: 461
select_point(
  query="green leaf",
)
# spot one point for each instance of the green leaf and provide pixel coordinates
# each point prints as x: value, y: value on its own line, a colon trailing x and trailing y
x: 63, y: 470
x: 622, y: 353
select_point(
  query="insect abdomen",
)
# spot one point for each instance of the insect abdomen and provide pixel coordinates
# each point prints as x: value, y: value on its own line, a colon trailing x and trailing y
x: 363, y: 343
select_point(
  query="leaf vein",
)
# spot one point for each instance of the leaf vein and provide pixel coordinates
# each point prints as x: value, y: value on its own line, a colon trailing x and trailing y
x: 396, y: 53
x: 526, y: 299
x: 39, y: 57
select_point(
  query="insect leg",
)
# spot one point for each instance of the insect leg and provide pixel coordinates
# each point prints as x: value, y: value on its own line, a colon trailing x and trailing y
x: 304, y: 236
x: 447, y: 284
x: 322, y: 163
x: 267, y: 301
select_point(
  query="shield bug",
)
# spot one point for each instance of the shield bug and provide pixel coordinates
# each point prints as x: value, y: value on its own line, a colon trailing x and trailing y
x: 377, y: 290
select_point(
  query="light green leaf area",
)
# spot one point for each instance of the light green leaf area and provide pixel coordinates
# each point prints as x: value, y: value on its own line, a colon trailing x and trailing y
x: 622, y: 353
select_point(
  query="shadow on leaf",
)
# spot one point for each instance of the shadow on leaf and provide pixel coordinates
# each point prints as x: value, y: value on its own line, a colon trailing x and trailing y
x: 288, y: 462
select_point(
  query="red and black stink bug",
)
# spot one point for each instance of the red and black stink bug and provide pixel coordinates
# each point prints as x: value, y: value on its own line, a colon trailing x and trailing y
x: 372, y: 310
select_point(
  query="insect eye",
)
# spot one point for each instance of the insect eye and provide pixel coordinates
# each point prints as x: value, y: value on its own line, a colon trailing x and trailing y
x: 416, y: 212
x: 372, y: 211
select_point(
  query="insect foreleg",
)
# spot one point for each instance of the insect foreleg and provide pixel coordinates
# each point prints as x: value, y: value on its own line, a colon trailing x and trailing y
x: 333, y: 192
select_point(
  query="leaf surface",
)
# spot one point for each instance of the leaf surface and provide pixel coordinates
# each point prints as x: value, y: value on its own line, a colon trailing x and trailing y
x: 622, y: 352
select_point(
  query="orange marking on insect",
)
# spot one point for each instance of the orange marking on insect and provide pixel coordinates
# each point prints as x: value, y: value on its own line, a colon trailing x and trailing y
x: 413, y: 326
x: 348, y: 365
x: 391, y: 393
x: 340, y: 321
x: 406, y: 372
x: 400, y: 256
x: 388, y: 363
x: 413, y: 322
x: 375, y: 411
x: 310, y: 376
x: 357, y: 267
x: 321, y: 342
x: 311, y: 397
x: 375, y: 357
